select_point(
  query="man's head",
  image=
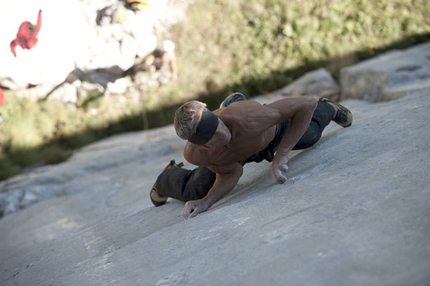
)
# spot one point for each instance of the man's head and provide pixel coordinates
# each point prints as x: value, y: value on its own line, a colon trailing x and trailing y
x: 195, y: 122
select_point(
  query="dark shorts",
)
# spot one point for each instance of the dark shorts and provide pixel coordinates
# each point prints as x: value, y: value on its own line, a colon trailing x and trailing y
x: 268, y: 153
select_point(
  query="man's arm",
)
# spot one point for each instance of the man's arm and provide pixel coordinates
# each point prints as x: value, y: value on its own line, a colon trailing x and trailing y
x: 226, y: 179
x: 173, y: 67
x: 39, y: 21
x: 300, y: 111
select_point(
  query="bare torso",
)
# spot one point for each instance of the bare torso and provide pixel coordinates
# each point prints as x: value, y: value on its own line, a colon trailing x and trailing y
x: 252, y: 128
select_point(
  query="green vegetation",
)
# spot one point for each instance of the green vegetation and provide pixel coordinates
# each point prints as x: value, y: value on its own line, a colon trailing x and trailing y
x: 223, y: 46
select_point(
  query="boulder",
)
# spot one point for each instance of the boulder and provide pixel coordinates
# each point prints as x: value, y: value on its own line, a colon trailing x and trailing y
x: 318, y: 82
x: 388, y: 76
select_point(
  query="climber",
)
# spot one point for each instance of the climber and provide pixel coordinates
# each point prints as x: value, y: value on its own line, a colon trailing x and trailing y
x: 159, y: 58
x: 239, y: 132
x: 26, y: 37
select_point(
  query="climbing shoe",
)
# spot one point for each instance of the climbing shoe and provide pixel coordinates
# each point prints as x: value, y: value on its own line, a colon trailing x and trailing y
x: 237, y: 96
x: 156, y: 198
x: 343, y: 116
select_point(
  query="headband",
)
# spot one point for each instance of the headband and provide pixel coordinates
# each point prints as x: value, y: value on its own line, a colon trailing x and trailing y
x: 206, y: 128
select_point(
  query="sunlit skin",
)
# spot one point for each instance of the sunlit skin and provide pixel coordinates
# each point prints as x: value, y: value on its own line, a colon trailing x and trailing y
x: 245, y: 128
x: 150, y: 59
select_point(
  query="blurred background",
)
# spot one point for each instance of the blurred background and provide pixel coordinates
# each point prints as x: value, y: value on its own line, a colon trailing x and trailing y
x: 76, y: 71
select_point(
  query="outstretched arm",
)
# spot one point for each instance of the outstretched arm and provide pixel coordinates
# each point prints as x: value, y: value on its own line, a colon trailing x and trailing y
x: 226, y: 179
x: 39, y: 21
x: 300, y: 111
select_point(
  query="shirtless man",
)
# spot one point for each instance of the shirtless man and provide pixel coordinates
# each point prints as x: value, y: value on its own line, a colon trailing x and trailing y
x: 246, y: 131
x: 157, y: 60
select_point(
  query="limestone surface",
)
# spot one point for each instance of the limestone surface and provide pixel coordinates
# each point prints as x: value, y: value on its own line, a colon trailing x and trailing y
x: 354, y: 211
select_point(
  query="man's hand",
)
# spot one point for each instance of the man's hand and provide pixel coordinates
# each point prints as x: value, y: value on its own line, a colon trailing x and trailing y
x: 193, y: 208
x: 299, y: 110
x: 227, y: 177
x: 277, y: 170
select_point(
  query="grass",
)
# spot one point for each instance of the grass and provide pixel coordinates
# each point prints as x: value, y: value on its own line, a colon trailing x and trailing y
x: 223, y: 46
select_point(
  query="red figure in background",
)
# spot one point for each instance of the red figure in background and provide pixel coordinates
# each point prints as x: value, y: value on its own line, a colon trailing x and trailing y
x: 2, y: 97
x: 27, y: 34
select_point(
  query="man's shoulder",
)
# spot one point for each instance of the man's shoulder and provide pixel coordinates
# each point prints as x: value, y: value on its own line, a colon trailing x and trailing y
x: 195, y: 154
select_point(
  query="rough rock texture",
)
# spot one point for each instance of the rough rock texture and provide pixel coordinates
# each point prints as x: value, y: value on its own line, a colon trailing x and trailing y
x: 89, y: 163
x: 389, y: 76
x: 353, y: 212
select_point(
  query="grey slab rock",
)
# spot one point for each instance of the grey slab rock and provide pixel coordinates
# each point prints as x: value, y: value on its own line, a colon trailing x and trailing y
x: 355, y: 211
x: 389, y: 76
x: 87, y: 167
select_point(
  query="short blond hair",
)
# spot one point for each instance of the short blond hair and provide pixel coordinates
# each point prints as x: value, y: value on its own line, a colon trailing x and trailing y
x: 185, y: 120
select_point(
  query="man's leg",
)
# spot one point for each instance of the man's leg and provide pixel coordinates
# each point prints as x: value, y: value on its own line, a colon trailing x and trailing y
x: 325, y: 112
x: 181, y: 184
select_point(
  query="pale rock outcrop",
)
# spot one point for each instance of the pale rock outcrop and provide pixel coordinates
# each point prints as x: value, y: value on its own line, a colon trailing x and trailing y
x: 388, y: 76
x: 318, y: 82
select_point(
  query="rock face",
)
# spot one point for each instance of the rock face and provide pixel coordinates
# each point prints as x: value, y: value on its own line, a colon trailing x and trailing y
x: 389, y: 76
x: 353, y: 212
